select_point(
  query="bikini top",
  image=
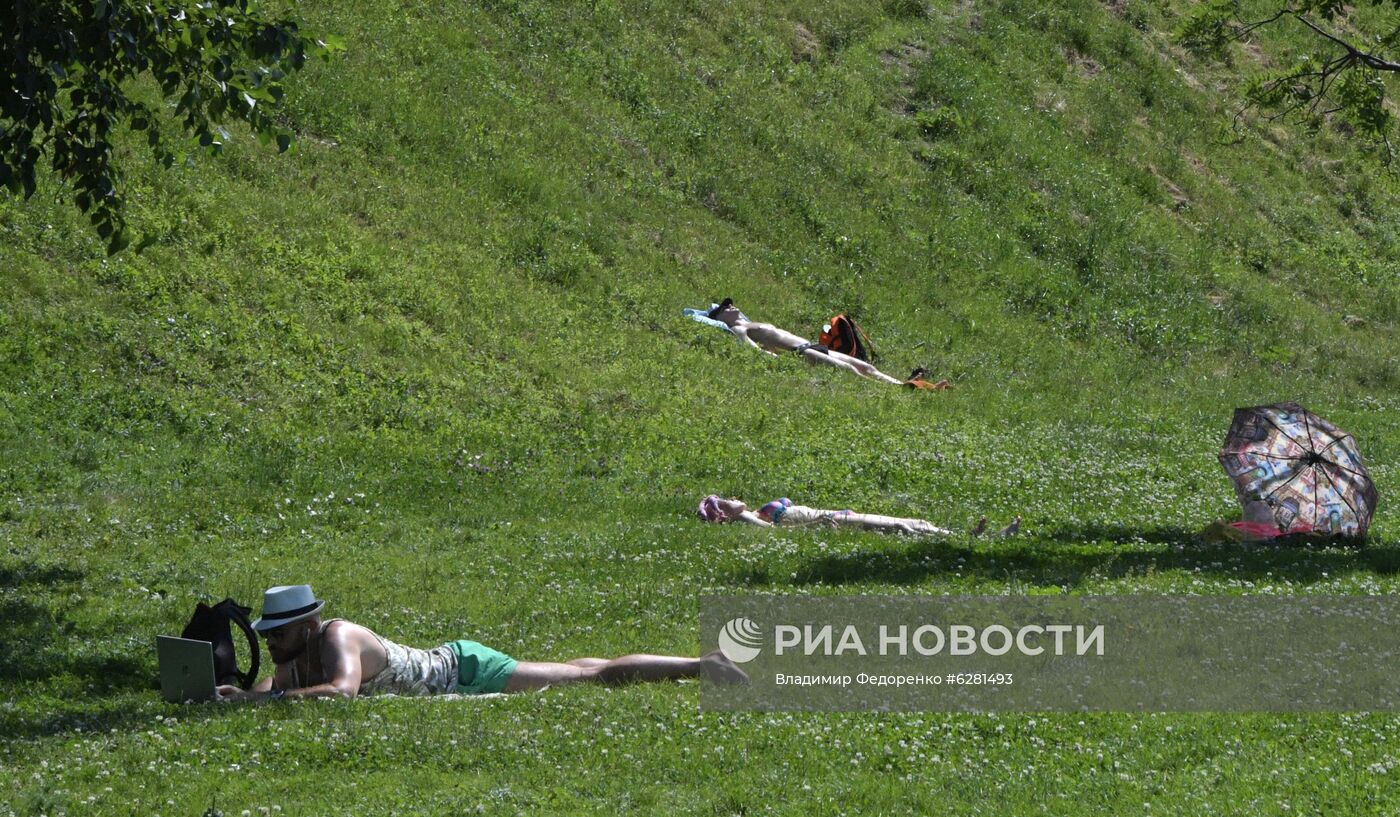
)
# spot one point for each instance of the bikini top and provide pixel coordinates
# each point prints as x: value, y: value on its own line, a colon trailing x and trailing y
x: 773, y: 511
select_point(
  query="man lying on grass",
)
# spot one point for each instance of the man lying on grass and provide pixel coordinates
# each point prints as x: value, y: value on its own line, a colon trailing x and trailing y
x: 336, y: 658
x: 768, y: 338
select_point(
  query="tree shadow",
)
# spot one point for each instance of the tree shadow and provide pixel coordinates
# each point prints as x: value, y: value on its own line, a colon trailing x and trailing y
x: 1071, y: 557
x: 60, y: 679
x: 39, y: 643
x: 103, y: 715
x: 58, y: 687
x: 37, y: 647
x: 14, y: 578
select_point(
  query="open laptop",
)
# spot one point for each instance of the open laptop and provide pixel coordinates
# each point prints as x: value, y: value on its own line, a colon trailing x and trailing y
x: 186, y: 669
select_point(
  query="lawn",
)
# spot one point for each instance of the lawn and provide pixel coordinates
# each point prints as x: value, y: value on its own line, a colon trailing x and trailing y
x: 432, y: 362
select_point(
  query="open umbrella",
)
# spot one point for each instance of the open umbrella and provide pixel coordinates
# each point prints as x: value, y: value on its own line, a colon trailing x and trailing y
x: 1304, y: 469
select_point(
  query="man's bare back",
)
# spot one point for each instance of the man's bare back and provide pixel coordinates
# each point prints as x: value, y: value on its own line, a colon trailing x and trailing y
x: 339, y: 654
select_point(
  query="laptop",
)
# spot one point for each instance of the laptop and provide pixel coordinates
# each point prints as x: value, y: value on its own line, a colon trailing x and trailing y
x: 186, y: 669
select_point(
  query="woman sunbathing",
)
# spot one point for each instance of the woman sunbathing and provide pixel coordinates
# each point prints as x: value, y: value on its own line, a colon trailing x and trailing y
x: 782, y: 512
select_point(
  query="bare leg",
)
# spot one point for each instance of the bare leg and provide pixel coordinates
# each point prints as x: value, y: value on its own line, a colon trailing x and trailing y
x: 890, y: 524
x: 865, y: 368
x: 530, y: 675
x: 870, y: 371
x: 854, y: 365
x: 829, y: 359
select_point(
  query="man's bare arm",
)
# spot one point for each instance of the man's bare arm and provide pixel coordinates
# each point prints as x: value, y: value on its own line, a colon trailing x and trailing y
x: 340, y: 656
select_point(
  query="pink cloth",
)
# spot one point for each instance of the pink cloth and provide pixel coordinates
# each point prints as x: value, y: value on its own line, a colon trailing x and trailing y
x: 1264, y: 530
x: 709, y: 509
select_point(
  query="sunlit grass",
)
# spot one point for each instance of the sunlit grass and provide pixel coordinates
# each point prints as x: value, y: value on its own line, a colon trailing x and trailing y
x: 433, y: 363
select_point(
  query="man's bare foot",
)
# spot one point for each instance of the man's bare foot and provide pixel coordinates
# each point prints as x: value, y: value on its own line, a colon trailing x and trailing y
x: 717, y: 667
x: 1012, y: 529
x: 980, y: 528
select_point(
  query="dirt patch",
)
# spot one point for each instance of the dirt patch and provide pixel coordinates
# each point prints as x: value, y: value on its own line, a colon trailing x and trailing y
x: 1180, y: 201
x: 904, y: 58
x: 1087, y: 66
x: 964, y: 13
x: 805, y: 45
x: 1205, y: 171
x: 1256, y: 54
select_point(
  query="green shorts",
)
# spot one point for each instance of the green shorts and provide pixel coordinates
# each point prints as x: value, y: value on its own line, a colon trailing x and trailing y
x: 480, y: 669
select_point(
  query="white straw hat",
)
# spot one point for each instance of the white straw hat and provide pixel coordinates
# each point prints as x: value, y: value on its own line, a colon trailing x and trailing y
x: 286, y: 604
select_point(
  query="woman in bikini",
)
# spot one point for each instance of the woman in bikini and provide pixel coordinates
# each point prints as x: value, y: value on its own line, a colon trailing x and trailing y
x: 783, y: 513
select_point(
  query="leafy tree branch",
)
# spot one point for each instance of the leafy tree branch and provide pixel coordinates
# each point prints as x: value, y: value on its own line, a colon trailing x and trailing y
x: 68, y: 71
x: 1346, y: 82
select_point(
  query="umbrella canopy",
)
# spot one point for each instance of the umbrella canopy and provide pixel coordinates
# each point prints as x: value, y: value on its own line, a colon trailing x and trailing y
x: 1304, y: 469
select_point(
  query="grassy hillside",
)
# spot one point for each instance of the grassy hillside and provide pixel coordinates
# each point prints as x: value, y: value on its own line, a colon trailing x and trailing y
x: 433, y: 363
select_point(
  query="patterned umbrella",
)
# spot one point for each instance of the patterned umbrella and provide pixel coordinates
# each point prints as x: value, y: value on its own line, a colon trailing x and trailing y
x: 1306, y: 470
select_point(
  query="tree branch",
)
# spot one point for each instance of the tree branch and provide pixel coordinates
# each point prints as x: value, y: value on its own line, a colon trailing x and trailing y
x: 1246, y: 28
x: 1369, y: 60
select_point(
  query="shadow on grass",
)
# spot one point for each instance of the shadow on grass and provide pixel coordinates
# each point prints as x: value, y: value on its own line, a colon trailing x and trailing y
x: 58, y: 683
x: 38, y: 647
x: 58, y: 679
x: 1072, y: 557
x: 44, y: 657
x: 15, y: 578
x: 45, y: 717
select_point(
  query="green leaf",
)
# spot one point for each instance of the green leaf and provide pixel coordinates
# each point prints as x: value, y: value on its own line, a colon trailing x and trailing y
x: 332, y: 45
x: 118, y: 243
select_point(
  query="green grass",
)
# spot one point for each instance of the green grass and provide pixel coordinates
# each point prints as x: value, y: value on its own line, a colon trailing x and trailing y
x: 432, y: 362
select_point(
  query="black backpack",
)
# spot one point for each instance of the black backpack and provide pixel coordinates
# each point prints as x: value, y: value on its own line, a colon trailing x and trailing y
x: 211, y: 624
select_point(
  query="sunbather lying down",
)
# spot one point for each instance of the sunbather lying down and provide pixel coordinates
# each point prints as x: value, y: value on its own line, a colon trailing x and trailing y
x: 336, y: 658
x: 768, y: 338
x: 782, y: 512
x: 1258, y: 526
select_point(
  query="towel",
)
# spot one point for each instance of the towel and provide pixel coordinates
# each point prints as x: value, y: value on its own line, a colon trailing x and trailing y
x: 702, y: 316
